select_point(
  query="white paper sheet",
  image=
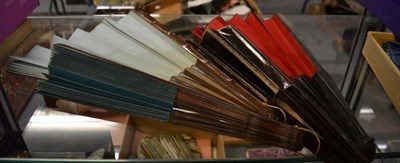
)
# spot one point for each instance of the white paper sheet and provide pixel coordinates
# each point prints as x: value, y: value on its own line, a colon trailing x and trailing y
x: 118, y: 39
x: 38, y: 55
x: 102, y: 49
x: 138, y: 28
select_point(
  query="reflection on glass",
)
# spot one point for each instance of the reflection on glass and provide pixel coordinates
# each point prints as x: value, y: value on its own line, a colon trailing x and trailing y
x: 378, y: 116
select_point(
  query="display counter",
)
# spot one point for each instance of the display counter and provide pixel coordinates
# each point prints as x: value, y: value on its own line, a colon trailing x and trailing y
x: 329, y: 38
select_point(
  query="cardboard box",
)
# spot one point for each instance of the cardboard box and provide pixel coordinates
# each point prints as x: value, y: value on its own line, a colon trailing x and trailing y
x: 381, y: 64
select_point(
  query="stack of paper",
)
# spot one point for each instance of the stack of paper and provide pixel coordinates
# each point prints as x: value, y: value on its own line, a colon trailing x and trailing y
x: 80, y: 77
x: 34, y: 63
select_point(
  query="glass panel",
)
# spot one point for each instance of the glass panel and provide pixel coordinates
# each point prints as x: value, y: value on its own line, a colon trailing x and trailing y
x: 329, y: 39
x: 377, y: 115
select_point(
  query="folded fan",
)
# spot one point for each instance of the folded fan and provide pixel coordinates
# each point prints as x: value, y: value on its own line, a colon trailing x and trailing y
x: 309, y: 94
x: 162, y: 78
x: 225, y: 84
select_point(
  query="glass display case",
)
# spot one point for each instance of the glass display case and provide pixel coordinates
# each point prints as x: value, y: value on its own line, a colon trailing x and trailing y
x: 50, y: 130
x: 365, y: 93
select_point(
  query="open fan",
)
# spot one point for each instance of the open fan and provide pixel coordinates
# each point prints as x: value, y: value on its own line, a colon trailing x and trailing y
x: 249, y: 79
